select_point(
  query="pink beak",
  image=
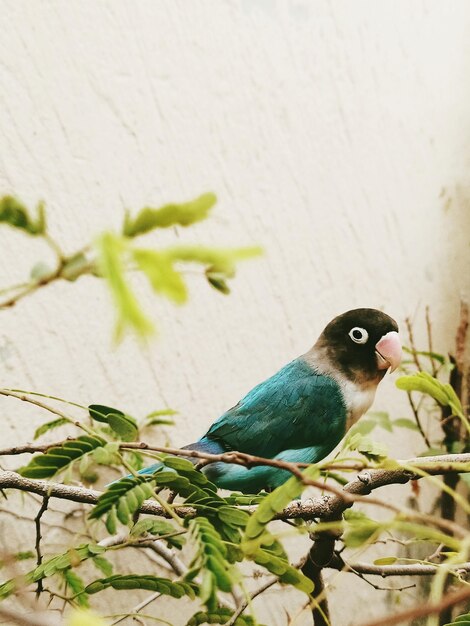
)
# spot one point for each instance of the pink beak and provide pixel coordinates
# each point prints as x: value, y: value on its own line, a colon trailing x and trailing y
x: 388, y: 351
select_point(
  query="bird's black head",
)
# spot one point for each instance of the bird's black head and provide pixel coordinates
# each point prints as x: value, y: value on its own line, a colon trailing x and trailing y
x: 362, y: 343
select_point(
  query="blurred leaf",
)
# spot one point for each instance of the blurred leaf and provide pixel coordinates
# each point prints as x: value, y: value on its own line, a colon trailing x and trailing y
x: 52, y: 566
x: 273, y: 503
x: 14, y: 213
x: 157, y: 418
x: 386, y: 560
x: 461, y: 620
x: 435, y: 356
x: 111, y: 249
x: 45, y: 428
x: 219, y: 260
x: 40, y: 271
x: 163, y: 277
x: 465, y: 478
x: 218, y: 281
x: 103, y: 565
x: 382, y: 419
x: 75, y: 583
x: 107, y: 455
x: 169, y: 215
x: 365, y: 445
x: 75, y: 266
x: 358, y: 529
x: 403, y: 422
x: 85, y: 618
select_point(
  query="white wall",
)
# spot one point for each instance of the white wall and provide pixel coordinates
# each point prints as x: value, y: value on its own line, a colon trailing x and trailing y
x: 335, y: 134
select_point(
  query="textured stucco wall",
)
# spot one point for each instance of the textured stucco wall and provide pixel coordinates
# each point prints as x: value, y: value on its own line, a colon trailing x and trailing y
x: 335, y: 134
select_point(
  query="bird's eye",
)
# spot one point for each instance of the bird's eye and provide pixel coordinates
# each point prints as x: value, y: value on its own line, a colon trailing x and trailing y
x: 359, y: 335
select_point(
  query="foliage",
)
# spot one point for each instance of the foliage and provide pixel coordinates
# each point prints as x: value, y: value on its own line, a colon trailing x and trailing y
x: 114, y: 256
x: 14, y: 213
x: 461, y: 620
x: 211, y: 541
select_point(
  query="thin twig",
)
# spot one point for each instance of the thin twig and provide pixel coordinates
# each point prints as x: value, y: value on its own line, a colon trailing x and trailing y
x: 415, y: 411
x: 423, y: 609
x: 246, y: 603
x: 47, y: 407
x: 385, y: 571
x: 37, y: 522
x: 414, y: 352
x: 430, y: 348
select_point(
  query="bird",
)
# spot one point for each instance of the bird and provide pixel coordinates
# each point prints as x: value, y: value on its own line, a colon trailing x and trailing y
x: 303, y: 411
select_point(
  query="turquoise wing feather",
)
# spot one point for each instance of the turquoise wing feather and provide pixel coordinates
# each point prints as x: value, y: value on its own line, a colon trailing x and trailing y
x: 294, y: 409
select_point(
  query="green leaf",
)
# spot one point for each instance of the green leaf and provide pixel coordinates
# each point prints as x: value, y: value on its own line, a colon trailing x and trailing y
x: 281, y: 568
x: 358, y: 529
x: 233, y: 516
x: 435, y: 356
x: 75, y: 583
x: 158, y: 528
x: 111, y: 250
x: 103, y: 565
x: 84, y: 618
x: 14, y: 213
x: 218, y: 281
x: 157, y: 418
x: 100, y: 413
x: 58, y: 458
x: 425, y: 383
x: 123, y: 425
x: 465, y: 478
x: 403, y: 422
x: 274, y: 503
x: 107, y: 455
x: 45, y: 428
x: 373, y: 450
x: 122, y: 499
x: 169, y: 215
x: 461, y: 620
x: 52, y: 566
x: 211, y: 561
x: 19, y: 556
x: 163, y: 277
x: 382, y: 419
x: 75, y: 266
x: 220, y: 615
x: 175, y: 589
x: 386, y: 560
x: 40, y: 271
x: 218, y: 260
x: 443, y: 393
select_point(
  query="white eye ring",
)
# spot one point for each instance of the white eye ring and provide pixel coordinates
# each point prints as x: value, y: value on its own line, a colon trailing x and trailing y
x: 359, y: 335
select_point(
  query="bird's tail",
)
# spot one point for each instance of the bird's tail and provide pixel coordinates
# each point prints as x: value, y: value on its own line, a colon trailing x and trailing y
x: 203, y: 445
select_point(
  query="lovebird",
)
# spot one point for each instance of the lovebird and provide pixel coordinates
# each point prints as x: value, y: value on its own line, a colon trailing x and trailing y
x: 304, y: 410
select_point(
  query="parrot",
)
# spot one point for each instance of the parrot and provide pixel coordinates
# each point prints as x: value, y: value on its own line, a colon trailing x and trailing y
x: 302, y: 412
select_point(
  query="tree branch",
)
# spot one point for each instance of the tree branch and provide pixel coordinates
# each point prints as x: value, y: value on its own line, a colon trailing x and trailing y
x: 323, y: 506
x: 406, y: 569
x: 423, y: 609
